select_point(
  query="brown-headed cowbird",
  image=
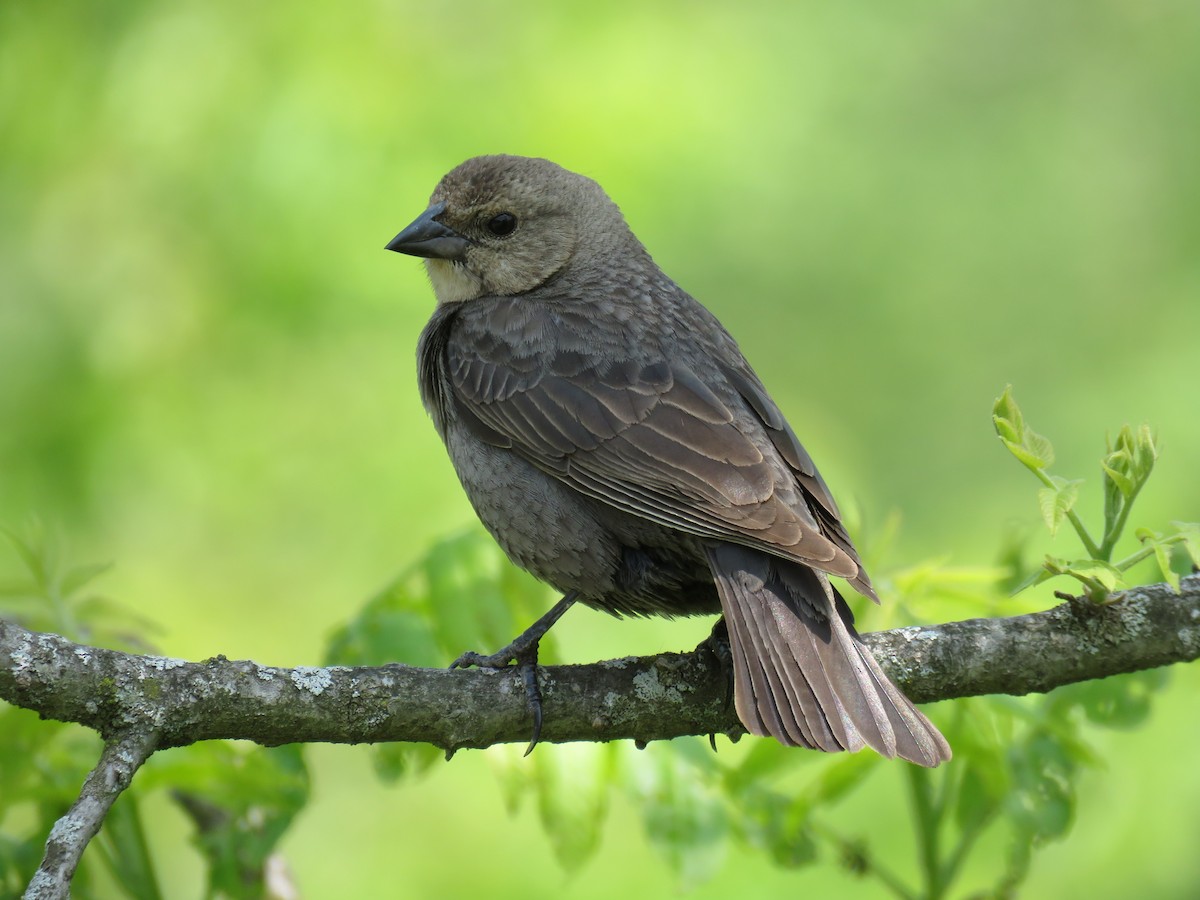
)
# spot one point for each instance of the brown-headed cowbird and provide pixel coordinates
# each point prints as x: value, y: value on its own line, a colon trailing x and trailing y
x: 616, y: 443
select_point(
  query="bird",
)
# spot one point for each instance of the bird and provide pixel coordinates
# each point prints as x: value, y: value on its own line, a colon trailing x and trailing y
x: 614, y: 441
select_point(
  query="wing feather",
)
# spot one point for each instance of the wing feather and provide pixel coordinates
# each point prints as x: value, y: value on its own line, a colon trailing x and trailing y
x: 657, y: 440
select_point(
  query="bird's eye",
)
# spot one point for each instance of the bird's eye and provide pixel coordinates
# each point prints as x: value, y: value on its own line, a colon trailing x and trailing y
x: 502, y: 224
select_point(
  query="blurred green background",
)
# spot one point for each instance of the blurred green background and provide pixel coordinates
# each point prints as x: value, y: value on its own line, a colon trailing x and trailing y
x: 207, y: 358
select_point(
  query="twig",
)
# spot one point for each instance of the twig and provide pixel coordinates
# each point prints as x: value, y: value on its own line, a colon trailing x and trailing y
x: 122, y: 757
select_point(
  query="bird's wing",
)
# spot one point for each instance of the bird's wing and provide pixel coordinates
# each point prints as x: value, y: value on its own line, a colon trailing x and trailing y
x: 652, y: 439
x: 742, y: 378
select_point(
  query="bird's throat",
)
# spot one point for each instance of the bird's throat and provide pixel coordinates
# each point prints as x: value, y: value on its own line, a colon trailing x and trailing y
x: 452, y: 281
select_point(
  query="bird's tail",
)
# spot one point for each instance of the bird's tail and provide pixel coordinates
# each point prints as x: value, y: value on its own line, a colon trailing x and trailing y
x: 801, y: 673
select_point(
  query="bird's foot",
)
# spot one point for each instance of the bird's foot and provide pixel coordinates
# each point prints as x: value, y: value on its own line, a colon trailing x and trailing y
x: 501, y: 659
x: 717, y: 643
x: 523, y: 652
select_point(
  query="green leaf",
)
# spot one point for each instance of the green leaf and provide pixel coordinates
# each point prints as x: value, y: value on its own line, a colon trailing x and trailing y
x: 1043, y: 800
x: 764, y: 760
x: 514, y: 774
x: 1121, y: 702
x: 1039, y: 447
x: 1190, y: 531
x: 63, y: 755
x: 685, y: 818
x: 1088, y: 570
x: 1035, y: 452
x: 572, y: 786
x: 463, y: 594
x: 42, y: 765
x: 1162, y: 547
x: 840, y: 777
x: 240, y: 799
x: 111, y: 624
x: 1007, y: 418
x: 980, y: 731
x: 1040, y: 576
x: 981, y: 794
x: 777, y: 825
x: 32, y: 549
x: 78, y: 576
x: 1115, y: 467
x: 1130, y: 460
x: 385, y: 631
x: 1113, y: 502
x: 463, y: 597
x: 1098, y: 570
x: 1057, y: 501
x: 1145, y: 453
x: 127, y: 852
x: 53, y: 599
x: 395, y: 761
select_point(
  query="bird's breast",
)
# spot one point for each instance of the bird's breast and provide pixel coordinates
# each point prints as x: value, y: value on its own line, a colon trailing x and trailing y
x: 541, y: 524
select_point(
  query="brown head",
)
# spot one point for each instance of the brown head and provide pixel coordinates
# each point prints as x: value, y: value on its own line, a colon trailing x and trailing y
x: 504, y: 225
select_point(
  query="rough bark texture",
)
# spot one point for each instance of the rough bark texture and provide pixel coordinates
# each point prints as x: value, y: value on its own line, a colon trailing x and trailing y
x: 144, y: 703
x: 645, y: 699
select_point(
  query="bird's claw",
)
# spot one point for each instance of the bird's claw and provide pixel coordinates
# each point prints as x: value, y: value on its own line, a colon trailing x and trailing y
x: 718, y: 644
x: 523, y: 651
x: 533, y: 699
x: 470, y: 658
x: 526, y: 660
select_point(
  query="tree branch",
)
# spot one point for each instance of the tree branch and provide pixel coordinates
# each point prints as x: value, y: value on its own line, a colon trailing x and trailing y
x: 648, y: 698
x: 122, y: 757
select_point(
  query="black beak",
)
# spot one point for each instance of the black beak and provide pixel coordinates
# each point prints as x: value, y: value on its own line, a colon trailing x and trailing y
x: 429, y: 238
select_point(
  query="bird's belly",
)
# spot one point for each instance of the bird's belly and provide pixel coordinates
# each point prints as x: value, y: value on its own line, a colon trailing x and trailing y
x: 619, y: 563
x: 541, y: 524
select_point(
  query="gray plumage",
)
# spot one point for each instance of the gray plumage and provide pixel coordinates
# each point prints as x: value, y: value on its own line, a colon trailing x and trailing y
x: 616, y: 443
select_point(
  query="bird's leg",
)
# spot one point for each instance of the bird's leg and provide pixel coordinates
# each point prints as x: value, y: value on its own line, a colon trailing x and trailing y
x: 717, y: 643
x: 523, y: 644
x: 523, y: 650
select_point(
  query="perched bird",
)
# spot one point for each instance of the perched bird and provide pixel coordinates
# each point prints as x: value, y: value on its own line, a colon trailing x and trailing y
x: 615, y: 442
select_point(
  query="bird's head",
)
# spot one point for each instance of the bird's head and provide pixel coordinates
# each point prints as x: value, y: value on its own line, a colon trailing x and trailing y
x: 504, y: 225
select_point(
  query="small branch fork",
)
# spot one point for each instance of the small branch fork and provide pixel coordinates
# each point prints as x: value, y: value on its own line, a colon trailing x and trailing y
x: 123, y: 755
x: 144, y: 703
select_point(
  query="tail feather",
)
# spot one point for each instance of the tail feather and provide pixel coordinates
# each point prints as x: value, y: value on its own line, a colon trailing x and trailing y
x: 801, y: 673
x: 830, y: 722
x: 748, y: 670
x: 801, y: 716
x: 917, y: 739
